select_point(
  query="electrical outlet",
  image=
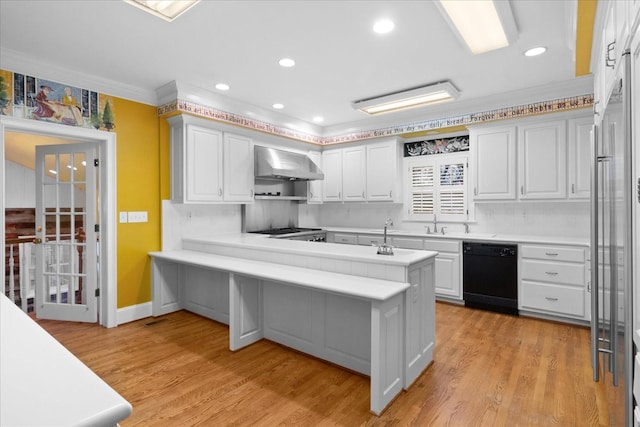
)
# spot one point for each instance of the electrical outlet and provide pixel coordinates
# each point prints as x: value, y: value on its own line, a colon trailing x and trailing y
x: 140, y: 216
x: 123, y: 217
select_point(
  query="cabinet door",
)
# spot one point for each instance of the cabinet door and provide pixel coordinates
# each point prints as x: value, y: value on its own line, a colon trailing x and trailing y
x: 542, y: 157
x: 332, y: 185
x: 354, y: 174
x: 238, y: 168
x: 580, y: 158
x: 382, y: 169
x: 448, y: 275
x: 494, y: 166
x: 203, y: 166
x: 314, y: 188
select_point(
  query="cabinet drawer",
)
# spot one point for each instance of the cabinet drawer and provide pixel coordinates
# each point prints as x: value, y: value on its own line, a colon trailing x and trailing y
x: 408, y: 243
x: 349, y: 239
x: 553, y: 253
x: 442, y: 245
x: 552, y: 298
x: 555, y: 272
x: 371, y: 240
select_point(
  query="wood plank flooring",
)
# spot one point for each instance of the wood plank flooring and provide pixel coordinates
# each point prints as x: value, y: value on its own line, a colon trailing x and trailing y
x: 489, y: 370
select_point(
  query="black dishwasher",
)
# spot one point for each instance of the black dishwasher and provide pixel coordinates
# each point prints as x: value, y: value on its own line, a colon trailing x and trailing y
x: 490, y: 276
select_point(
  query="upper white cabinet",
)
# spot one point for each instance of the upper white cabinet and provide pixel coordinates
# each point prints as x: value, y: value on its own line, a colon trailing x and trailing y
x: 542, y: 158
x: 209, y: 166
x: 494, y: 162
x: 363, y: 173
x: 332, y: 185
x: 237, y: 168
x: 382, y: 171
x: 314, y: 188
x: 580, y: 157
x: 354, y: 174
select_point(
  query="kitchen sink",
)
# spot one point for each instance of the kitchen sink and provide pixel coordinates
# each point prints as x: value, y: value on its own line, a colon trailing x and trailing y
x: 469, y: 235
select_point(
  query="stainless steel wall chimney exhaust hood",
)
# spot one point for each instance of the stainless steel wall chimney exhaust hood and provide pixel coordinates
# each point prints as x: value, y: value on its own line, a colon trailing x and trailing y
x: 271, y: 163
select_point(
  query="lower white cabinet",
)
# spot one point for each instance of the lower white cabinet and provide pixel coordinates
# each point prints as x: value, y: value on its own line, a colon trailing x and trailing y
x: 553, y: 281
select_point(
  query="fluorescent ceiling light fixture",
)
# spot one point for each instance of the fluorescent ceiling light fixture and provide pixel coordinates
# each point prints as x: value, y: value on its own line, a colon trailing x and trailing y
x: 165, y: 9
x: 383, y: 26
x: 481, y: 25
x: 412, y: 98
x: 222, y: 86
x: 278, y: 106
x: 287, y: 62
x: 535, y: 51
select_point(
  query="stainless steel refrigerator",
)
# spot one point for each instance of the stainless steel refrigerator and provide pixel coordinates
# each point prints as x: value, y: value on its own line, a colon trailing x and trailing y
x: 611, y: 250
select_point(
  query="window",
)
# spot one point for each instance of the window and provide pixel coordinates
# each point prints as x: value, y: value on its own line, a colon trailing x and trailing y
x: 437, y: 185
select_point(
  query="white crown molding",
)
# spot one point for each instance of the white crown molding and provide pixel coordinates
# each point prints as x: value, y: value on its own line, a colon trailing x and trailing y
x: 11, y: 60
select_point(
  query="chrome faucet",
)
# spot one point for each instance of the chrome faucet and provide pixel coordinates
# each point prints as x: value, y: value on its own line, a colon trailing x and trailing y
x: 385, y: 249
x: 466, y: 228
x: 387, y: 223
x: 435, y: 225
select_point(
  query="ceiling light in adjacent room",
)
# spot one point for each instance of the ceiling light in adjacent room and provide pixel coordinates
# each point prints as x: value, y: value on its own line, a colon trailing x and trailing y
x: 165, y: 9
x: 481, y: 25
x: 222, y: 86
x: 383, y: 26
x: 535, y: 51
x: 412, y: 98
x: 278, y: 106
x: 318, y: 119
x: 287, y: 62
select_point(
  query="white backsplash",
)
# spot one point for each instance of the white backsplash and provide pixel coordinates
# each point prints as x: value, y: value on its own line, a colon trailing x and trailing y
x: 183, y: 220
x: 562, y: 219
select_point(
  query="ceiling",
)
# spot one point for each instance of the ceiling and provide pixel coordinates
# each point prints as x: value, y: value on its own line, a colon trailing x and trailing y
x: 339, y: 59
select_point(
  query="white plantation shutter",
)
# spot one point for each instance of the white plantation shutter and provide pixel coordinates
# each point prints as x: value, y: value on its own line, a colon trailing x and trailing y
x: 422, y: 181
x: 452, y: 189
x: 437, y: 186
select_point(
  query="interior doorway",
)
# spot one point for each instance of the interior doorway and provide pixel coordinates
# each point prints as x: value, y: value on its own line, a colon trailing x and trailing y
x: 106, y: 247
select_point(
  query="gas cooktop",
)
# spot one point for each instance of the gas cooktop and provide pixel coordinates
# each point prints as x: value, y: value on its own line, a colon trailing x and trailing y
x: 286, y: 230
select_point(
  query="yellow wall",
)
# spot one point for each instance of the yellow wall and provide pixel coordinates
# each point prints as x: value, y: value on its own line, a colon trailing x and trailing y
x: 138, y: 189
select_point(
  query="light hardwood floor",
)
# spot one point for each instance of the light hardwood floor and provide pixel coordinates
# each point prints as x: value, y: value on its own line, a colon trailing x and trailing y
x: 489, y: 370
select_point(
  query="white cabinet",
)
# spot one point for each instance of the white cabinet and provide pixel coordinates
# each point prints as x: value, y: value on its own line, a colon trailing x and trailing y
x: 332, y: 185
x: 580, y: 157
x: 209, y: 166
x: 448, y: 266
x: 354, y: 173
x: 542, y: 154
x: 553, y: 281
x: 494, y: 162
x: 382, y: 172
x: 314, y: 188
x: 238, y: 168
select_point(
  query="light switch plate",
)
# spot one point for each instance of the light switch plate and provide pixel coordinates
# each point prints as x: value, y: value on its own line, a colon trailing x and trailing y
x: 123, y: 217
x: 140, y: 216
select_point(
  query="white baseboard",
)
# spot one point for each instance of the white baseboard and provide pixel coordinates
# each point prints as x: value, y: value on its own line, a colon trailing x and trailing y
x: 133, y: 312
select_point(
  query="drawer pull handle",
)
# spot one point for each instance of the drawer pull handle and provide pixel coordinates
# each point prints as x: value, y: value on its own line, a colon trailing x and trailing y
x: 551, y: 253
x: 551, y: 273
x: 551, y: 298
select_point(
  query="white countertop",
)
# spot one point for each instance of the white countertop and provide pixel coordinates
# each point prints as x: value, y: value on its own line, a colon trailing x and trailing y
x: 403, y: 257
x: 43, y: 384
x: 344, y: 284
x: 484, y: 237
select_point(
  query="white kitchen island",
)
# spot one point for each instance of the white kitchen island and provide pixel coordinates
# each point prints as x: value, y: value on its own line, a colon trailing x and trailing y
x: 370, y: 313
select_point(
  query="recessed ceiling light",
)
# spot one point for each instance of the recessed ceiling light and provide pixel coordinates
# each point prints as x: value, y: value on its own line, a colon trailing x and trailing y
x: 222, y: 86
x: 383, y: 26
x: 535, y: 51
x: 53, y: 171
x: 287, y: 62
x: 318, y: 119
x: 278, y: 106
x: 165, y: 9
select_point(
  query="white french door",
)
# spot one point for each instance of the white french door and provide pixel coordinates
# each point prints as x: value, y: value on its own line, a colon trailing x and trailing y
x: 66, y: 236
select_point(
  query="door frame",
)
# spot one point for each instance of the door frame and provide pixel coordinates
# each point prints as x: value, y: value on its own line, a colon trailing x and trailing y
x: 107, y: 311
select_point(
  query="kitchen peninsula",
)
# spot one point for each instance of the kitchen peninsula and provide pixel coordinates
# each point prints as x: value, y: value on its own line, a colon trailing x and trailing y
x: 374, y: 314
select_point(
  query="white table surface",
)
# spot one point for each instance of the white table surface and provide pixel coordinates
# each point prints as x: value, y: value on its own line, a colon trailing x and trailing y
x: 43, y: 384
x: 344, y: 284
